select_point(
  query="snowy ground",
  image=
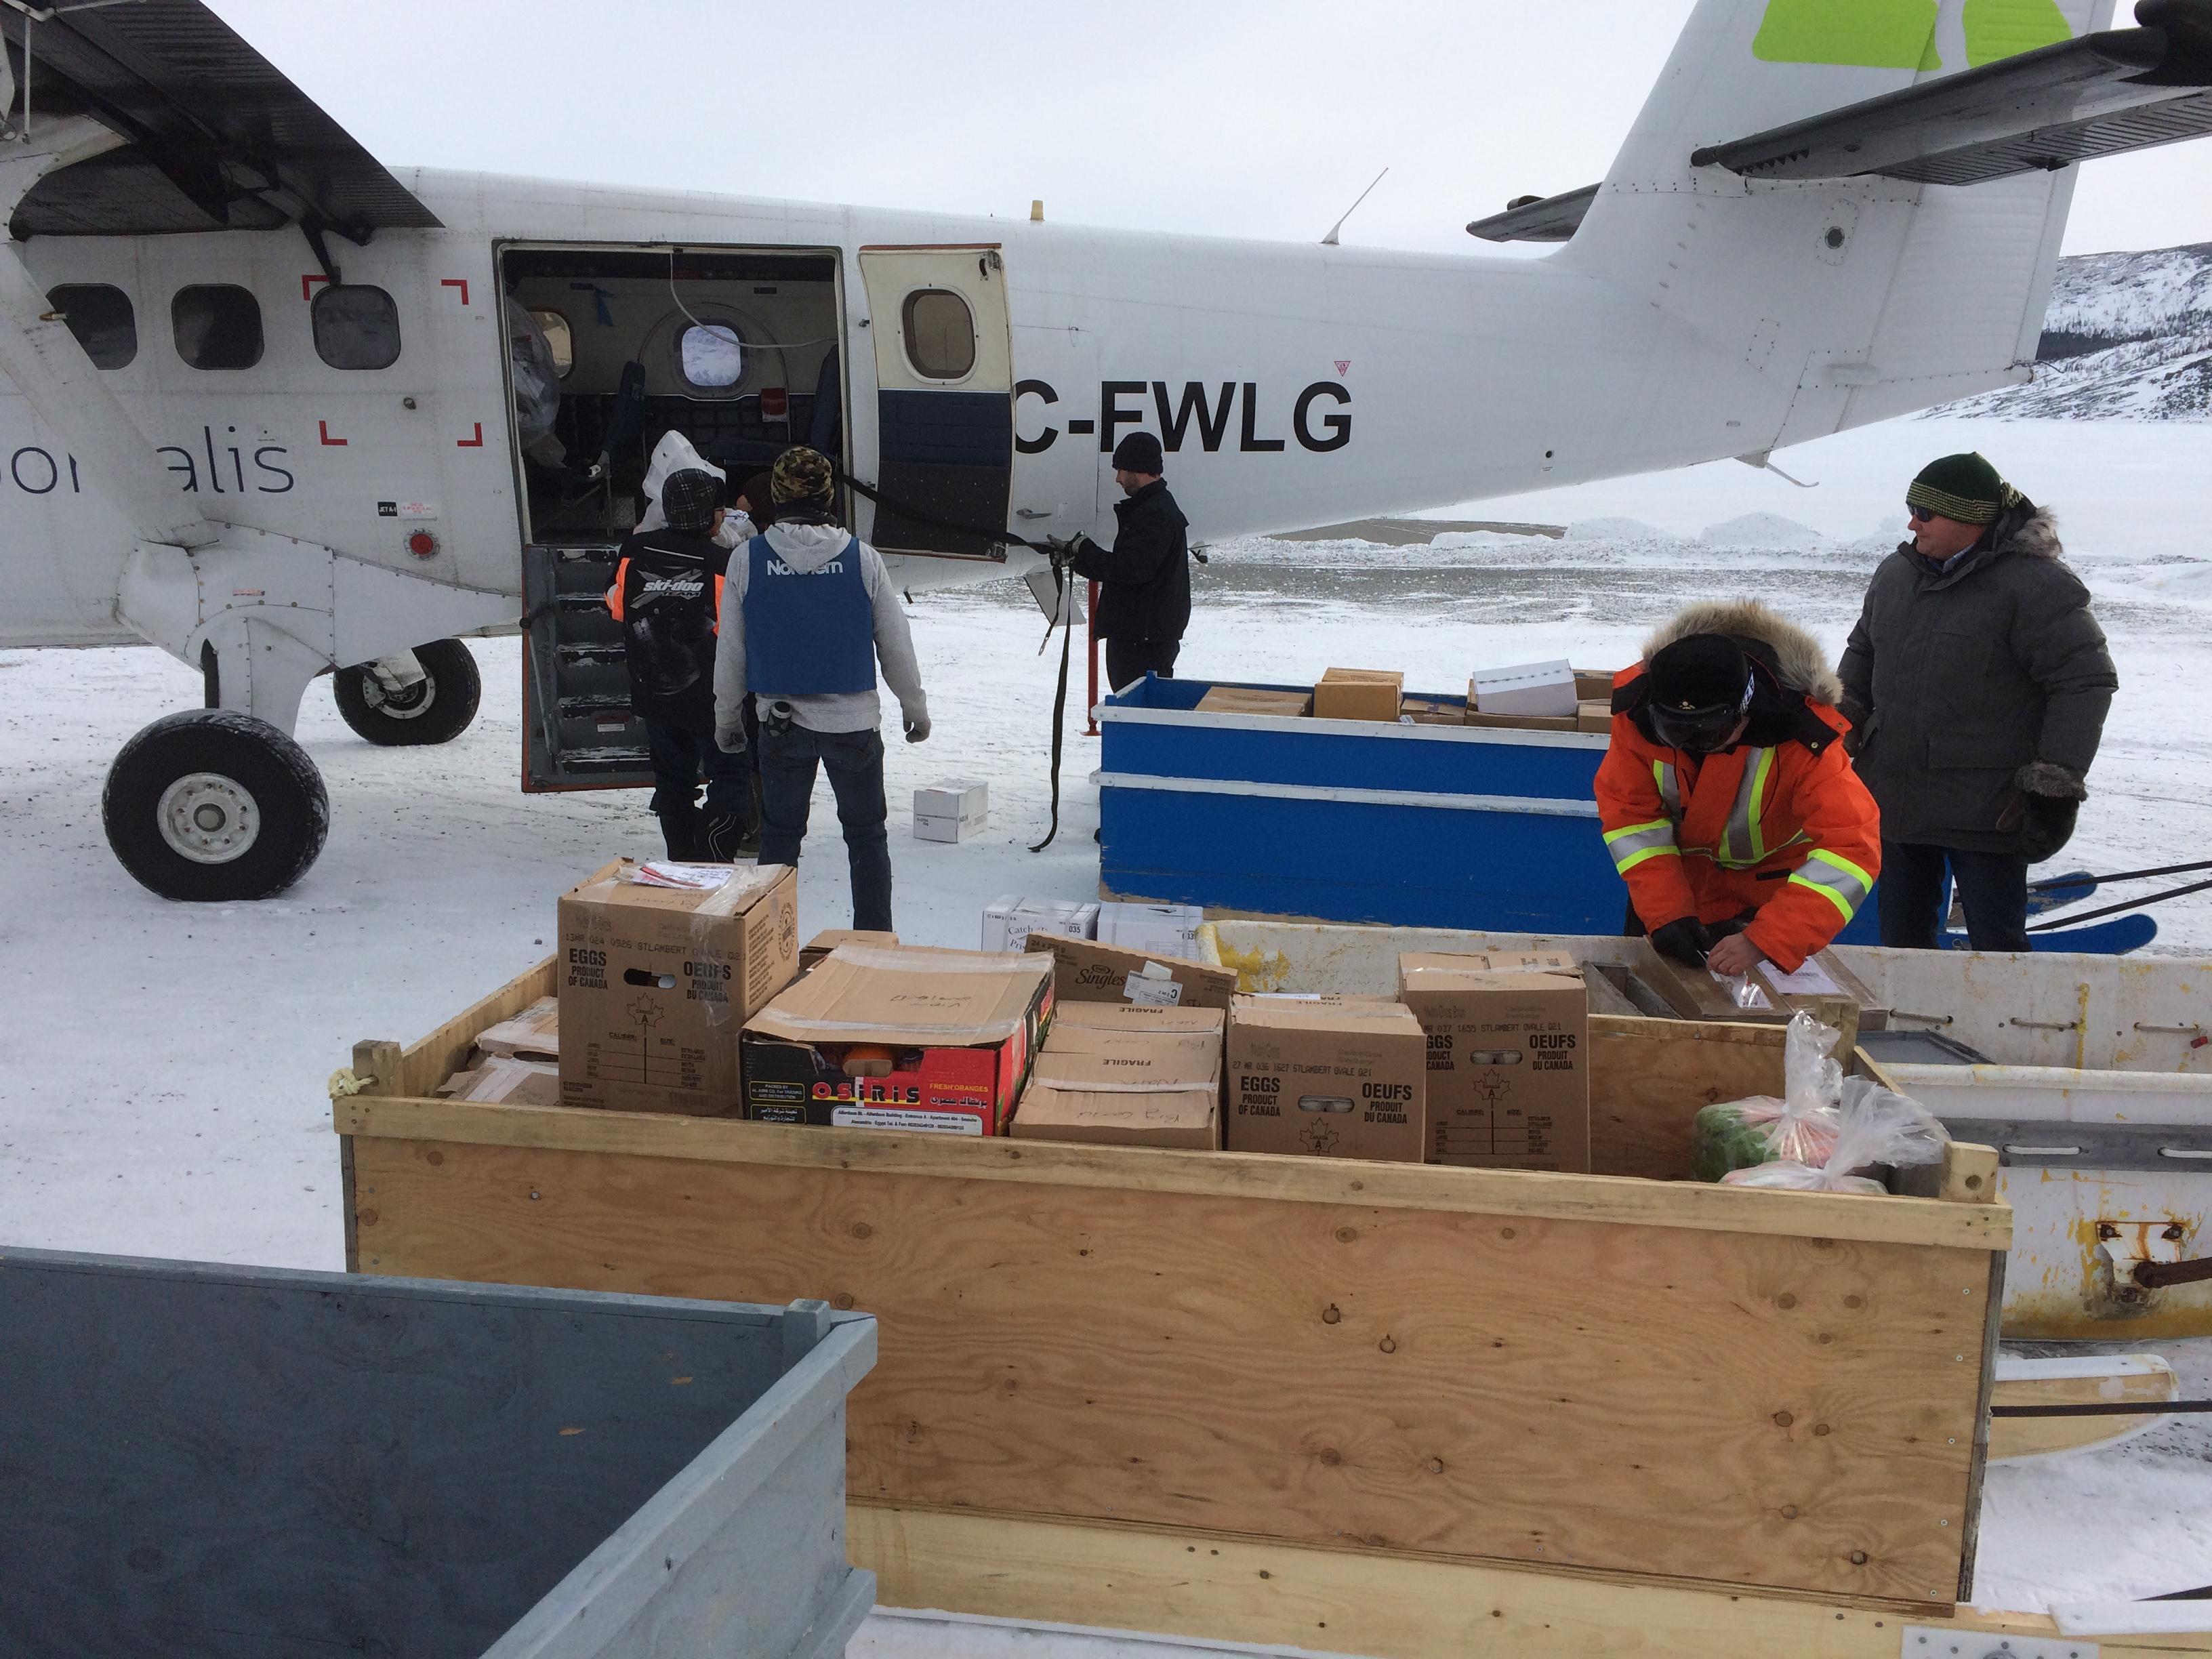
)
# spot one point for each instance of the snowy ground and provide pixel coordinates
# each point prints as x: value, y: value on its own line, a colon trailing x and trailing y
x: 162, y: 1068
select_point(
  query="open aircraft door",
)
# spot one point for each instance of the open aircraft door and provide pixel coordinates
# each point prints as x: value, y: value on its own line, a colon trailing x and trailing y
x: 945, y: 398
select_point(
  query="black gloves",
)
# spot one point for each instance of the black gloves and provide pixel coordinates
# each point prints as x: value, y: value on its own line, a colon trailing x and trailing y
x: 2050, y: 797
x: 1685, y: 939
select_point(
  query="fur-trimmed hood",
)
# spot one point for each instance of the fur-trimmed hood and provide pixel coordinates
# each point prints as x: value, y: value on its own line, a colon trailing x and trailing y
x: 2037, y: 536
x: 1799, y: 662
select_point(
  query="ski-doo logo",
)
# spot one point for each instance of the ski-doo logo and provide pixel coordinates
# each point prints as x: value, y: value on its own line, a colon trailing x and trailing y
x: 681, y: 587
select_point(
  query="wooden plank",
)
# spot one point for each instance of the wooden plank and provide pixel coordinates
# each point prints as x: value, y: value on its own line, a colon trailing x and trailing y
x: 1750, y: 1408
x: 1220, y: 1588
x: 1649, y: 1076
x: 427, y: 1064
x: 2099, y: 1380
x: 1970, y: 1173
x: 1533, y: 1194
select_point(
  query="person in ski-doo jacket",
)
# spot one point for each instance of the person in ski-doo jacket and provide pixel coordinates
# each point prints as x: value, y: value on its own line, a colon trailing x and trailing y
x: 1978, y: 680
x: 667, y: 594
x: 1727, y: 799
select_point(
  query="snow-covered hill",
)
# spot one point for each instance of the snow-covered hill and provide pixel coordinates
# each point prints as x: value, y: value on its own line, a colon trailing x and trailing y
x: 2128, y: 336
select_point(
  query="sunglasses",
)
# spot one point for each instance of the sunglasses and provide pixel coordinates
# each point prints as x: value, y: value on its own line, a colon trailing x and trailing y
x: 1918, y: 514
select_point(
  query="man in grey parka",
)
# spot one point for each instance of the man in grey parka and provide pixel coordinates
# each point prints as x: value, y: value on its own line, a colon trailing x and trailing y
x: 1979, y: 682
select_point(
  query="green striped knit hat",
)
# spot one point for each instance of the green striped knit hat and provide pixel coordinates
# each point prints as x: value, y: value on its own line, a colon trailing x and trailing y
x: 1962, y: 487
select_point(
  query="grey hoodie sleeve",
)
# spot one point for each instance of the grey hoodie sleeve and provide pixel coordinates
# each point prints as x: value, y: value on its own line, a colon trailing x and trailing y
x: 2058, y: 641
x: 730, y: 651
x: 893, y: 641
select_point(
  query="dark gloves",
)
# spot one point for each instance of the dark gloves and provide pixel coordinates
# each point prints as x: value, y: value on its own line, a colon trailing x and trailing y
x: 1065, y: 550
x: 2050, y: 800
x: 1685, y: 939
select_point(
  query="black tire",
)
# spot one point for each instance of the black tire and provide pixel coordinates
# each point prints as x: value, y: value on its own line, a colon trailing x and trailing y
x: 212, y: 804
x: 436, y: 711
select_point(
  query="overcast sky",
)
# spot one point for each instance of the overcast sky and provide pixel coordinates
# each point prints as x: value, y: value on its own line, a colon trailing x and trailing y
x: 1217, y: 115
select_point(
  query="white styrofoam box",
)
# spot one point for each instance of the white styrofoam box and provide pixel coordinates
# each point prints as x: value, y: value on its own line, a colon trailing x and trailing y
x: 1159, y: 930
x: 1528, y: 688
x: 952, y: 811
x: 1009, y: 918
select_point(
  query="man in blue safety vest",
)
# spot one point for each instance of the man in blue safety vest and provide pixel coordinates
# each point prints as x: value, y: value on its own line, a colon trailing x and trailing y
x: 808, y: 613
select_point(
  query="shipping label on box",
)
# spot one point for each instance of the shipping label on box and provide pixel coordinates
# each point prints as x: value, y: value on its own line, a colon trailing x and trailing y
x: 1326, y: 1078
x: 1508, y: 1039
x: 1547, y: 689
x: 656, y: 980
x: 1085, y: 970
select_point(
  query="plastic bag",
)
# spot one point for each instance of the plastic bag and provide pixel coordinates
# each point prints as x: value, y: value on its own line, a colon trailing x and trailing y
x: 1799, y: 1127
x: 1874, y: 1127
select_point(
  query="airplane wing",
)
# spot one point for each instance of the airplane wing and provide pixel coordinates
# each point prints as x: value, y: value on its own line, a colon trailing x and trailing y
x: 216, y: 139
x: 2103, y: 94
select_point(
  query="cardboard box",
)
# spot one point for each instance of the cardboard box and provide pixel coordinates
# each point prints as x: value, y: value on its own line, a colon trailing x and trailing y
x: 1255, y: 700
x: 1594, y: 714
x: 1509, y: 1057
x: 1325, y: 1077
x: 1523, y: 722
x: 656, y: 981
x: 1127, y: 1076
x: 1546, y: 688
x: 1084, y: 970
x: 952, y: 811
x: 1009, y: 918
x: 1358, y: 694
x: 1591, y: 685
x: 1823, y: 988
x: 534, y: 1034
x: 938, y: 1040
x: 811, y: 952
x: 501, y: 1080
x: 1432, y: 711
x: 1159, y: 930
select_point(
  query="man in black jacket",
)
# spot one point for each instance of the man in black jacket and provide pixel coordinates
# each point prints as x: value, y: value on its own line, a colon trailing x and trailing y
x: 667, y: 596
x: 1145, y: 604
x: 1979, y: 682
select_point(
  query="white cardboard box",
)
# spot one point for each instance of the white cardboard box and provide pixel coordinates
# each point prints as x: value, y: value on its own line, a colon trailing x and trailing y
x: 1009, y: 918
x: 1531, y: 688
x: 1160, y: 930
x: 952, y: 811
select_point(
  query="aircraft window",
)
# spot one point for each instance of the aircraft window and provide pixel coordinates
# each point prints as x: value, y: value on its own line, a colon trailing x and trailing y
x: 101, y: 318
x: 940, y: 334
x: 217, y: 326
x: 710, y: 357
x: 558, y: 336
x: 356, y: 327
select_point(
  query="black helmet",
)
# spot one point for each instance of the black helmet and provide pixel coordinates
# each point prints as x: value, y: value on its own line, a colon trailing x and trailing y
x: 1700, y: 688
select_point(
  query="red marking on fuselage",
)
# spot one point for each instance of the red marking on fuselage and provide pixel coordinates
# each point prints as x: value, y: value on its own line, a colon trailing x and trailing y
x: 307, y: 285
x: 460, y: 283
x: 323, y: 429
x: 475, y: 442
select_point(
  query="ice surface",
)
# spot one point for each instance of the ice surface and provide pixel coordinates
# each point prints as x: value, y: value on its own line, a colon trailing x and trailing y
x: 162, y: 1067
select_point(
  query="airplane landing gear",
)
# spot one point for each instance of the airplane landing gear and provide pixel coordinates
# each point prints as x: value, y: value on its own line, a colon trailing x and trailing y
x: 384, y: 704
x: 213, y: 805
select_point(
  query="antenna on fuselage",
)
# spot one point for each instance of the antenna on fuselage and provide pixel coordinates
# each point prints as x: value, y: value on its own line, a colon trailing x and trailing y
x: 1329, y: 240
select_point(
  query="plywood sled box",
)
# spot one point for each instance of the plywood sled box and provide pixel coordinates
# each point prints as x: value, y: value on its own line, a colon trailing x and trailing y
x: 1756, y: 1390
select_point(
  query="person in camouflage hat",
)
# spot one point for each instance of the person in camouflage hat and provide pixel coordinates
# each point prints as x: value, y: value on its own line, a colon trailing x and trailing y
x: 1977, y: 681
x: 808, y: 614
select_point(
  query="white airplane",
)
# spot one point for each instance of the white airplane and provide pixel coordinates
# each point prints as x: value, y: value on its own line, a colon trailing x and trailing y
x: 265, y: 393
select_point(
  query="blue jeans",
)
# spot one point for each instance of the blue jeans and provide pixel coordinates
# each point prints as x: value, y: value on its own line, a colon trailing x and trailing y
x: 855, y: 761
x: 1993, y: 886
x: 680, y: 756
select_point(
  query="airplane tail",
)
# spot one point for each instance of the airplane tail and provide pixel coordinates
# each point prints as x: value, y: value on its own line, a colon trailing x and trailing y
x: 1830, y: 302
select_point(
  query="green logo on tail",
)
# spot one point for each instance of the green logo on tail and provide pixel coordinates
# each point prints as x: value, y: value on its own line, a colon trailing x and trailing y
x: 1900, y: 34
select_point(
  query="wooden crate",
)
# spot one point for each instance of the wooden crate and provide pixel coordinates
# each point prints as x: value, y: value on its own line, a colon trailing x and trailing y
x: 1746, y: 1388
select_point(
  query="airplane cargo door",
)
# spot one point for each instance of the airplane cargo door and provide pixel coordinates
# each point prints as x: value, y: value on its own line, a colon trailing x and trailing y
x: 945, y: 414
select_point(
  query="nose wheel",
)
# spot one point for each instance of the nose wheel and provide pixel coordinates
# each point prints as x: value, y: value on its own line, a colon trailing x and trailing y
x: 435, y: 708
x: 212, y: 804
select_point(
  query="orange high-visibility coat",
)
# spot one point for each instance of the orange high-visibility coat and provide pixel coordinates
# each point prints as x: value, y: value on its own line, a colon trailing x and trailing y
x: 1789, y: 832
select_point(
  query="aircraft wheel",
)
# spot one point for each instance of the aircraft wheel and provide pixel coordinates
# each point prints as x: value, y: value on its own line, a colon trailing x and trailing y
x: 436, y: 709
x: 212, y: 804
